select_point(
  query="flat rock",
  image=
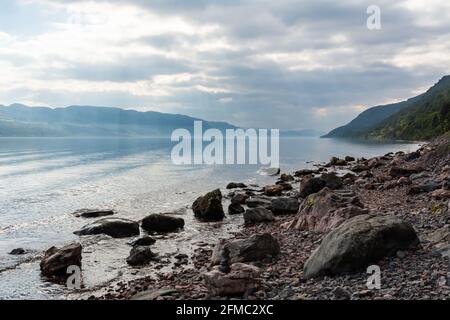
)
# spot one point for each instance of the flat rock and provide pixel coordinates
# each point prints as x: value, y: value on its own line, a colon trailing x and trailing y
x: 153, y: 294
x: 258, y: 214
x: 240, y: 279
x: 93, y: 213
x: 114, y: 227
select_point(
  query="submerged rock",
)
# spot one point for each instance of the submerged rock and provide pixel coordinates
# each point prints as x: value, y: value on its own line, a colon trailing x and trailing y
x: 209, y: 207
x: 358, y: 242
x: 92, y: 213
x: 56, y: 260
x: 141, y: 255
x: 114, y: 227
x: 240, y: 279
x: 235, y: 185
x: 162, y: 223
x: 144, y: 241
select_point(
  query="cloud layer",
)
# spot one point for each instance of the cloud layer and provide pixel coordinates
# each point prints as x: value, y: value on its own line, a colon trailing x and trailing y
x: 280, y: 64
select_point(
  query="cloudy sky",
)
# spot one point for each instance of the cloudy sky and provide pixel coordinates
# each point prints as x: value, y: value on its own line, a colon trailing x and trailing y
x: 279, y: 64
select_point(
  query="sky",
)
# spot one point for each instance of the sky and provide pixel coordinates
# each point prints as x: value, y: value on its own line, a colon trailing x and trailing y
x: 303, y: 64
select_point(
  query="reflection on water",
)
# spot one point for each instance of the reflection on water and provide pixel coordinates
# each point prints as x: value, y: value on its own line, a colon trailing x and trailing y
x: 43, y: 180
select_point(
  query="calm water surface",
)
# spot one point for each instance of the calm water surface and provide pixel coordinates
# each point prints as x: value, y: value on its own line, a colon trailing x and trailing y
x: 43, y: 180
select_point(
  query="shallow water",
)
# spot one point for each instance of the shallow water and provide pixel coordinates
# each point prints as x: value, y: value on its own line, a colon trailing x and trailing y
x: 43, y: 180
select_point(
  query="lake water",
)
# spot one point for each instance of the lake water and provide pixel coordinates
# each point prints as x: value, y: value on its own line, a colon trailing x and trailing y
x: 43, y: 180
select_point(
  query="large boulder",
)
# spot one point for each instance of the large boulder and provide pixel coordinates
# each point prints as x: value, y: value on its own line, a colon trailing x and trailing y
x: 326, y: 210
x: 284, y: 205
x: 209, y: 207
x: 162, y: 223
x: 358, y: 242
x: 140, y: 255
x: 259, y: 214
x: 254, y: 248
x: 93, y: 213
x: 310, y: 185
x: 114, y: 227
x: 240, y: 279
x: 56, y: 260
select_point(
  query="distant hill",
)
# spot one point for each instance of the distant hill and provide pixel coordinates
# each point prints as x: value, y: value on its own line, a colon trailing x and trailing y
x: 22, y: 121
x: 419, y: 118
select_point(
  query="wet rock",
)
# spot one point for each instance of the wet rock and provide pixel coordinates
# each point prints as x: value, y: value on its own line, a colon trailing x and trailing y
x: 273, y: 190
x: 209, y: 207
x: 240, y: 279
x: 235, y: 185
x: 259, y: 214
x: 92, y: 213
x: 17, y: 252
x: 144, y: 241
x: 114, y: 227
x: 141, y: 255
x: 258, y: 201
x: 235, y: 208
x: 162, y: 223
x: 334, y: 161
x: 286, y: 177
x: 305, y: 172
x: 401, y: 172
x: 349, y: 159
x: 286, y: 186
x: 239, y: 198
x: 56, y: 260
x: 411, y: 156
x: 254, y: 248
x: 326, y: 210
x: 359, y: 241
x: 284, y: 205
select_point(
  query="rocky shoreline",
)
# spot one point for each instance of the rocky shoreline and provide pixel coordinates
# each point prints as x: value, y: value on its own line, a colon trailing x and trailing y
x: 310, y: 235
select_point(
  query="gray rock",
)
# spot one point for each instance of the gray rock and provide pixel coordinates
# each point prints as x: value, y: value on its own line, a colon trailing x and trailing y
x: 114, y: 227
x: 254, y: 248
x: 17, y: 252
x: 259, y: 201
x: 209, y: 207
x: 92, y: 213
x: 234, y: 185
x: 284, y: 205
x: 259, y: 214
x: 235, y: 208
x: 240, y: 279
x: 239, y: 198
x: 141, y: 255
x: 144, y: 241
x: 358, y: 242
x: 326, y: 210
x: 153, y: 294
x: 56, y: 260
x: 162, y: 223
